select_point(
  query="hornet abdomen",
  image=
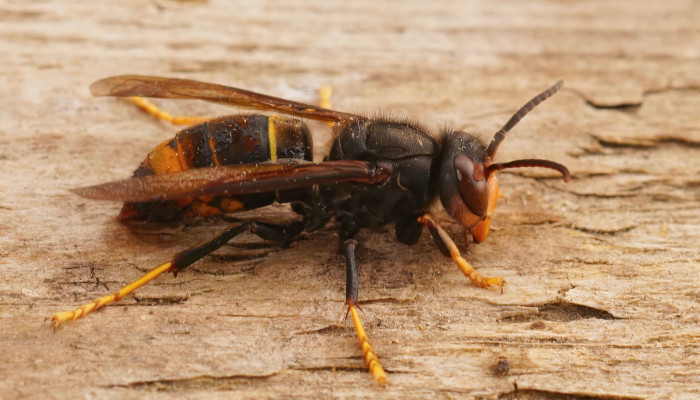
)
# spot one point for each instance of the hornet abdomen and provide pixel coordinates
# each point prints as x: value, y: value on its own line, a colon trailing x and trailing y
x: 236, y: 139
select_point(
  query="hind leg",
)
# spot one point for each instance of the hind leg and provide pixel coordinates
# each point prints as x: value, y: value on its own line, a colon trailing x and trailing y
x: 155, y: 111
x: 277, y: 233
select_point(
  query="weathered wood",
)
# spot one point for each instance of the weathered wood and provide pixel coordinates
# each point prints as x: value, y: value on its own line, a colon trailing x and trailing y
x: 603, y: 289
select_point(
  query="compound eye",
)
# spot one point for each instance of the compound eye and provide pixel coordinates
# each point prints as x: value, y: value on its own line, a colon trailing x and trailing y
x: 472, y: 185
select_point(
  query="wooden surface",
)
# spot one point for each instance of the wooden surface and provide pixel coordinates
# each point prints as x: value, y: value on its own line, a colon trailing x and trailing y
x: 603, y: 291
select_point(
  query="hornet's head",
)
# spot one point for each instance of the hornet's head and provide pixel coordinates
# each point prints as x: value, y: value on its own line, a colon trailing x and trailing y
x: 468, y: 187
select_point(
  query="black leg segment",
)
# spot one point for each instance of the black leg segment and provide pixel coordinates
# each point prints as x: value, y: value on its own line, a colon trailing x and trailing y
x: 371, y: 360
x: 351, y: 280
x: 281, y: 234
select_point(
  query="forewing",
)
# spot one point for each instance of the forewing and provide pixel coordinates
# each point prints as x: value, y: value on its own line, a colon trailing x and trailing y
x: 234, y: 180
x: 152, y: 86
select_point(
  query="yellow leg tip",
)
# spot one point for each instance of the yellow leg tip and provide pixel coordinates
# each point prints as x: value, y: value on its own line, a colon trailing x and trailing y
x: 379, y: 376
x: 475, y: 276
x: 60, y: 317
x: 324, y: 99
x: 324, y: 96
x: 487, y: 282
x: 371, y: 359
x: 496, y: 281
x: 375, y: 368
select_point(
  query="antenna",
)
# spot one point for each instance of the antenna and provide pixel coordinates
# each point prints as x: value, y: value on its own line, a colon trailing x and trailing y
x: 501, y: 134
x: 530, y: 162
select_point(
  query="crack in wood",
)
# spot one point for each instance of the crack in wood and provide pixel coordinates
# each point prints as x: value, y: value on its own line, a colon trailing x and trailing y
x: 201, y: 381
x: 601, y: 231
x: 623, y: 107
x: 359, y: 368
x: 632, y: 106
x: 160, y: 301
x: 327, y: 330
x: 644, y: 143
x: 229, y: 258
x: 539, y: 394
x: 561, y: 311
x: 387, y: 300
x: 91, y: 267
x: 259, y: 316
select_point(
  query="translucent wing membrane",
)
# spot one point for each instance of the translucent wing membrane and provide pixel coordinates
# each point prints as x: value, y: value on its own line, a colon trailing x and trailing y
x: 151, y: 86
x: 234, y: 180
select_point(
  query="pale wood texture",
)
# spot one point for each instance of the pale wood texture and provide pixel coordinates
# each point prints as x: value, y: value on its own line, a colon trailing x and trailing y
x: 603, y: 290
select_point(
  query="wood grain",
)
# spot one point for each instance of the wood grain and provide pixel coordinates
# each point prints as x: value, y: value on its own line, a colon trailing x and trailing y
x: 603, y: 297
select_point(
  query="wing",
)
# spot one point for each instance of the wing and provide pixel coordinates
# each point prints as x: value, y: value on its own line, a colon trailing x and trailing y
x: 152, y: 86
x: 235, y: 180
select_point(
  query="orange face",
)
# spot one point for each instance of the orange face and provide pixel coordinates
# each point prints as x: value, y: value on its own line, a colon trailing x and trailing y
x: 467, y: 190
x: 481, y: 229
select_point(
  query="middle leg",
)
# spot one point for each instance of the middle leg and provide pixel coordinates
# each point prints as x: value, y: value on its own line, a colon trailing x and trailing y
x: 351, y: 285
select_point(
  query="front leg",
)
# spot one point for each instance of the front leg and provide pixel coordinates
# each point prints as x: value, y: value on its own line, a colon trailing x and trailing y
x: 449, y: 249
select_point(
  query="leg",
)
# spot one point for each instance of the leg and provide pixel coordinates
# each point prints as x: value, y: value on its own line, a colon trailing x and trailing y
x: 324, y: 100
x: 409, y: 230
x: 348, y: 229
x: 276, y: 233
x: 324, y: 96
x: 152, y: 109
x: 351, y: 283
x: 449, y: 249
